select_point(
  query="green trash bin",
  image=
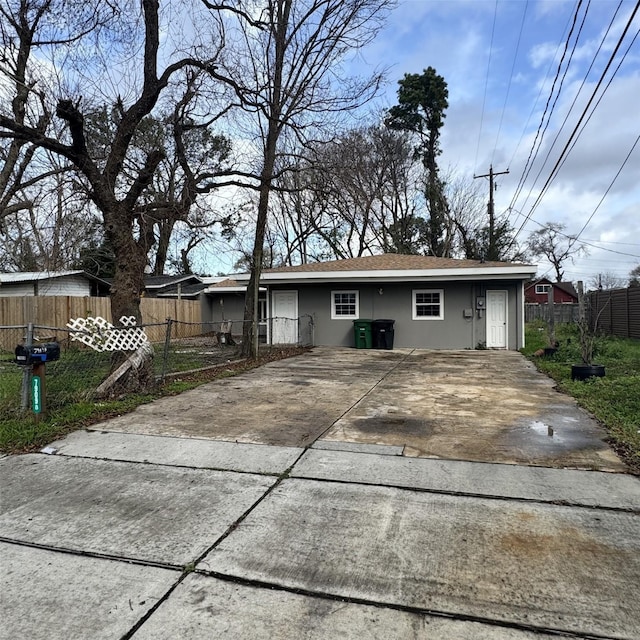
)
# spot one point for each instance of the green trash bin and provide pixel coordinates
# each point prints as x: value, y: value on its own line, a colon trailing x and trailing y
x: 362, y: 334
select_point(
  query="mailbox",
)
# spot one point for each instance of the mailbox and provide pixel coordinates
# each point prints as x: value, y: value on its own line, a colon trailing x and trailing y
x: 37, y: 353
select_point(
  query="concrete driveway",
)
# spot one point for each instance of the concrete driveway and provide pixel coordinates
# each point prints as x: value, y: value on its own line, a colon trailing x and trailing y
x: 487, y: 406
x: 340, y: 494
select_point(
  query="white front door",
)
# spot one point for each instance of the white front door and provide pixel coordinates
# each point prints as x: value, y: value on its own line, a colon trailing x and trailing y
x: 496, y: 319
x: 285, y: 317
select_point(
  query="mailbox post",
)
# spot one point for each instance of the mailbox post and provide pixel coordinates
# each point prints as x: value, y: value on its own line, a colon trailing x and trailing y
x: 36, y: 356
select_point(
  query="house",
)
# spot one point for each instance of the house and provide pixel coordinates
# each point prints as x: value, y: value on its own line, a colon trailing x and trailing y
x: 537, y: 292
x: 224, y: 301
x: 52, y: 283
x: 173, y: 286
x: 436, y: 303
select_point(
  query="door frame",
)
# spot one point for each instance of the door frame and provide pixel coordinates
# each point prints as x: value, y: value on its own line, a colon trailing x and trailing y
x: 505, y: 294
x: 274, y: 293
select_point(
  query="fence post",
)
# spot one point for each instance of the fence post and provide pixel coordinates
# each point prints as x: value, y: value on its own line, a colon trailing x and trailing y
x: 26, y: 372
x: 552, y: 318
x: 167, y: 345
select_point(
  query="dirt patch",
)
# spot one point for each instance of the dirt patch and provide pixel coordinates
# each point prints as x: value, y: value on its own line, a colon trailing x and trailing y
x: 396, y: 425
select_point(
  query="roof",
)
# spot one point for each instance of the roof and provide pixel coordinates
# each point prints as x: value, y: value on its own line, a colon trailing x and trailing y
x: 158, y: 282
x: 568, y: 288
x: 31, y: 276
x: 228, y: 285
x: 389, y: 262
x: 190, y: 290
x: 394, y: 266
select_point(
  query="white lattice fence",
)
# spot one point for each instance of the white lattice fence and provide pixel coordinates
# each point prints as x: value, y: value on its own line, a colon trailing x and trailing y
x: 101, y: 335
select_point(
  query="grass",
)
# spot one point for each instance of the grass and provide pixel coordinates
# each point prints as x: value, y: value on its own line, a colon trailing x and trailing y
x: 613, y: 400
x: 72, y: 410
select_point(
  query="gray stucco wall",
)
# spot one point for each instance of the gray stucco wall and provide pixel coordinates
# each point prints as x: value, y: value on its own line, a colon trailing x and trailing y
x: 224, y: 306
x: 455, y: 331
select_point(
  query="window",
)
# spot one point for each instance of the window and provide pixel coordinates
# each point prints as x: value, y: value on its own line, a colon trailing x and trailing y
x: 262, y: 309
x: 344, y: 304
x: 542, y: 288
x: 428, y: 304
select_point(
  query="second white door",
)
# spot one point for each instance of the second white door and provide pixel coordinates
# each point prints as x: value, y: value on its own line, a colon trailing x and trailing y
x: 496, y: 319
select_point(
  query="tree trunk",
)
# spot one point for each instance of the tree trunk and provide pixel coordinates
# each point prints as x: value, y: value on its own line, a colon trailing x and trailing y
x: 127, y: 289
x: 165, y: 228
x: 250, y: 328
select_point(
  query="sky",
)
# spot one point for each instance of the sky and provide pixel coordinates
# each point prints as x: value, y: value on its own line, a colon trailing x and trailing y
x: 499, y: 59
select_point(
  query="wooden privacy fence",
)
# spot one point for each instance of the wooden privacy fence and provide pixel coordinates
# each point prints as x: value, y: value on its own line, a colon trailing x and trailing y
x: 561, y: 312
x: 616, y: 312
x: 56, y: 311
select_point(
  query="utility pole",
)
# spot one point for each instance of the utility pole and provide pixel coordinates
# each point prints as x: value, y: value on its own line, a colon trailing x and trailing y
x: 492, y: 252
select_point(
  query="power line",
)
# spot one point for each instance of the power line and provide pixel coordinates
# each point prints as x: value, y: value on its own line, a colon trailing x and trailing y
x: 588, y: 243
x: 604, y: 91
x: 513, y: 66
x: 633, y: 146
x: 553, y: 106
x: 554, y: 171
x: 539, y: 137
x: 535, y: 102
x: 486, y: 82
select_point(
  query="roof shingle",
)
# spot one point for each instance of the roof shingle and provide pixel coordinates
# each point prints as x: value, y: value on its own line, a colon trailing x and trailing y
x: 390, y: 262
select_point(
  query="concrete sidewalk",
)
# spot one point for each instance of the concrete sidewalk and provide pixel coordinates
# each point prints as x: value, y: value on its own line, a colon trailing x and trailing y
x: 124, y: 534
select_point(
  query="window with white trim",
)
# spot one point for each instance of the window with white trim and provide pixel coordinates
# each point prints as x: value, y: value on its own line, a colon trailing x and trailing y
x: 345, y: 305
x: 542, y: 288
x: 428, y: 304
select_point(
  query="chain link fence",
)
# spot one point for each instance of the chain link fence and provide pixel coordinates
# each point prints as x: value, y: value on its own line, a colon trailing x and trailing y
x: 177, y: 348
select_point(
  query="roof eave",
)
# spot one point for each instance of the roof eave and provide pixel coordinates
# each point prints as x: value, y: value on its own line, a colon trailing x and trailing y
x: 519, y: 272
x: 239, y: 289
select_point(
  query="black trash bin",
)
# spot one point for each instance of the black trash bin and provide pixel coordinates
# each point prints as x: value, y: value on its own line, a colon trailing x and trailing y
x: 383, y: 334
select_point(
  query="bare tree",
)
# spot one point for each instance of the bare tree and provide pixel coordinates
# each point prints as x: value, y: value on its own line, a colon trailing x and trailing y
x: 49, y: 235
x: 606, y: 280
x: 194, y: 156
x: 363, y: 193
x: 285, y: 73
x: 25, y: 26
x: 103, y: 168
x: 366, y: 182
x: 552, y: 243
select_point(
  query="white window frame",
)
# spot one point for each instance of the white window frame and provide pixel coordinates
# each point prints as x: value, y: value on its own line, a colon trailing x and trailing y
x: 341, y: 316
x: 414, y: 307
x: 542, y: 289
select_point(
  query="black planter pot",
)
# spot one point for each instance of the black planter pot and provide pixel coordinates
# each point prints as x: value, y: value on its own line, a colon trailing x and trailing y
x: 585, y: 371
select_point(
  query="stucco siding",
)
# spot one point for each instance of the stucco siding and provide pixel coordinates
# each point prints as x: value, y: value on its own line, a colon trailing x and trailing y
x: 224, y: 306
x: 456, y: 330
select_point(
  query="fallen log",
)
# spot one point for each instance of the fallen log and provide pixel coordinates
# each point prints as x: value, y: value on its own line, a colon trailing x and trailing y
x: 134, y: 374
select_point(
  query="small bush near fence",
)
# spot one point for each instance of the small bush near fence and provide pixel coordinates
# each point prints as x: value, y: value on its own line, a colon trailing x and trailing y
x: 180, y: 349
